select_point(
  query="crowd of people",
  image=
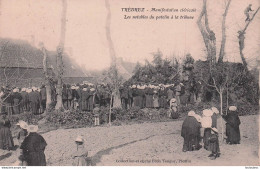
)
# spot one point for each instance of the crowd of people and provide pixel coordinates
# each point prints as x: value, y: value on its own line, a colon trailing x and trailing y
x: 88, y: 97
x: 85, y: 96
x: 194, y: 125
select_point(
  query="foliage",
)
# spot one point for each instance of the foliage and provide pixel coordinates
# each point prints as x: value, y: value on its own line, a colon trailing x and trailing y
x: 27, y: 117
x: 159, y: 71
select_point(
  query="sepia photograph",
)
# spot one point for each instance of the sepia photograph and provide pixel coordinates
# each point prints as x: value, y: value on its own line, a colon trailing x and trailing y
x: 129, y: 83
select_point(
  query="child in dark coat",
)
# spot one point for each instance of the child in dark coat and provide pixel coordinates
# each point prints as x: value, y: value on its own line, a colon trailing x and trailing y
x: 214, y: 144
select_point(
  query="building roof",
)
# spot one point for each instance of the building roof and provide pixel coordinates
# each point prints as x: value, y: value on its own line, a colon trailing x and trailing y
x: 20, y: 54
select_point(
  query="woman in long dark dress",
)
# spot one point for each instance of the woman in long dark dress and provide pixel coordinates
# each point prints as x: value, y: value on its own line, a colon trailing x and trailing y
x: 17, y: 97
x: 84, y: 99
x: 6, y: 139
x: 191, y: 133
x: 33, y: 148
x: 232, y: 126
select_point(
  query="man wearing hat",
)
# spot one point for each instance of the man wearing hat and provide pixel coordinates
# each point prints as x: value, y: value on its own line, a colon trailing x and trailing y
x: 232, y: 126
x: 33, y: 147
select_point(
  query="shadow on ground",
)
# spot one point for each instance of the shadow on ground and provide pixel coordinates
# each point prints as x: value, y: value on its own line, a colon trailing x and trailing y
x: 2, y: 157
x: 97, y: 157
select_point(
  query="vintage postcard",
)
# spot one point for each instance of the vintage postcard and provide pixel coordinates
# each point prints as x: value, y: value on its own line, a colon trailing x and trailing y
x: 129, y: 82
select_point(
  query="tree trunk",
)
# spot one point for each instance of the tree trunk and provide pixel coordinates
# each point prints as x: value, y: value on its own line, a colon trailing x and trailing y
x: 207, y: 34
x: 241, y: 38
x: 223, y: 42
x: 112, y: 57
x: 46, y: 76
x: 110, y: 110
x: 59, y: 104
x: 221, y: 113
x: 60, y: 48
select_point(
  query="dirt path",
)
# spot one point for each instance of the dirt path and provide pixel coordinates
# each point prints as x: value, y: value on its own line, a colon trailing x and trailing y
x: 146, y: 144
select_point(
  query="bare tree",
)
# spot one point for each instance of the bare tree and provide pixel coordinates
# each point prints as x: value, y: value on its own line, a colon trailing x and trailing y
x: 207, y: 34
x: 60, y: 48
x: 115, y: 94
x: 46, y: 77
x: 241, y: 39
x: 223, y: 41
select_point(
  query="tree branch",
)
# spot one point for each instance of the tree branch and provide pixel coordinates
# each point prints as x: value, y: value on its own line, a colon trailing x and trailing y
x: 244, y: 30
x: 223, y: 42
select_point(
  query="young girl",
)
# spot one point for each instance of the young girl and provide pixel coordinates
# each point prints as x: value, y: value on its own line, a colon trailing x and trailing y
x: 214, y: 144
x: 80, y: 156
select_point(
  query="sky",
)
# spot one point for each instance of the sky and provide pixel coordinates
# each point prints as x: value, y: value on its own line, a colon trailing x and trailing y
x: 134, y: 40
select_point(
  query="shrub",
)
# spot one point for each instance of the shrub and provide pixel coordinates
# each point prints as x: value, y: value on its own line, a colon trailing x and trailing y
x: 27, y: 117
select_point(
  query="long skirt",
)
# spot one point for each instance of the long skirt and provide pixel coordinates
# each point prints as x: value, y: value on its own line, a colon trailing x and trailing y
x: 207, y: 133
x: 16, y: 107
x: 36, y: 158
x: 136, y: 100
x: 191, y: 143
x: 8, y: 108
x: 214, y: 147
x: 6, y: 139
x: 156, y: 103
x: 35, y: 107
x: 163, y: 102
x: 148, y: 101
x: 84, y: 105
x: 233, y: 134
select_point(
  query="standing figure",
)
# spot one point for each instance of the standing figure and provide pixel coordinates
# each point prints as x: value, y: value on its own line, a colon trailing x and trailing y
x: 246, y: 12
x: 65, y: 96
x: 214, y: 144
x: 169, y: 94
x: 156, y: 99
x: 190, y: 132
x: 8, y: 101
x: 80, y: 156
x: 130, y: 97
x: 33, y: 148
x: 214, y: 117
x: 148, y: 97
x: 43, y: 95
x: 34, y: 99
x: 17, y: 97
x: 232, y: 126
x: 23, y: 131
x: 84, y: 99
x: 6, y: 139
x: 91, y: 98
x: 173, y: 109
x: 124, y: 96
x: 70, y: 96
x: 206, y: 123
x: 96, y: 112
x: 24, y: 102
